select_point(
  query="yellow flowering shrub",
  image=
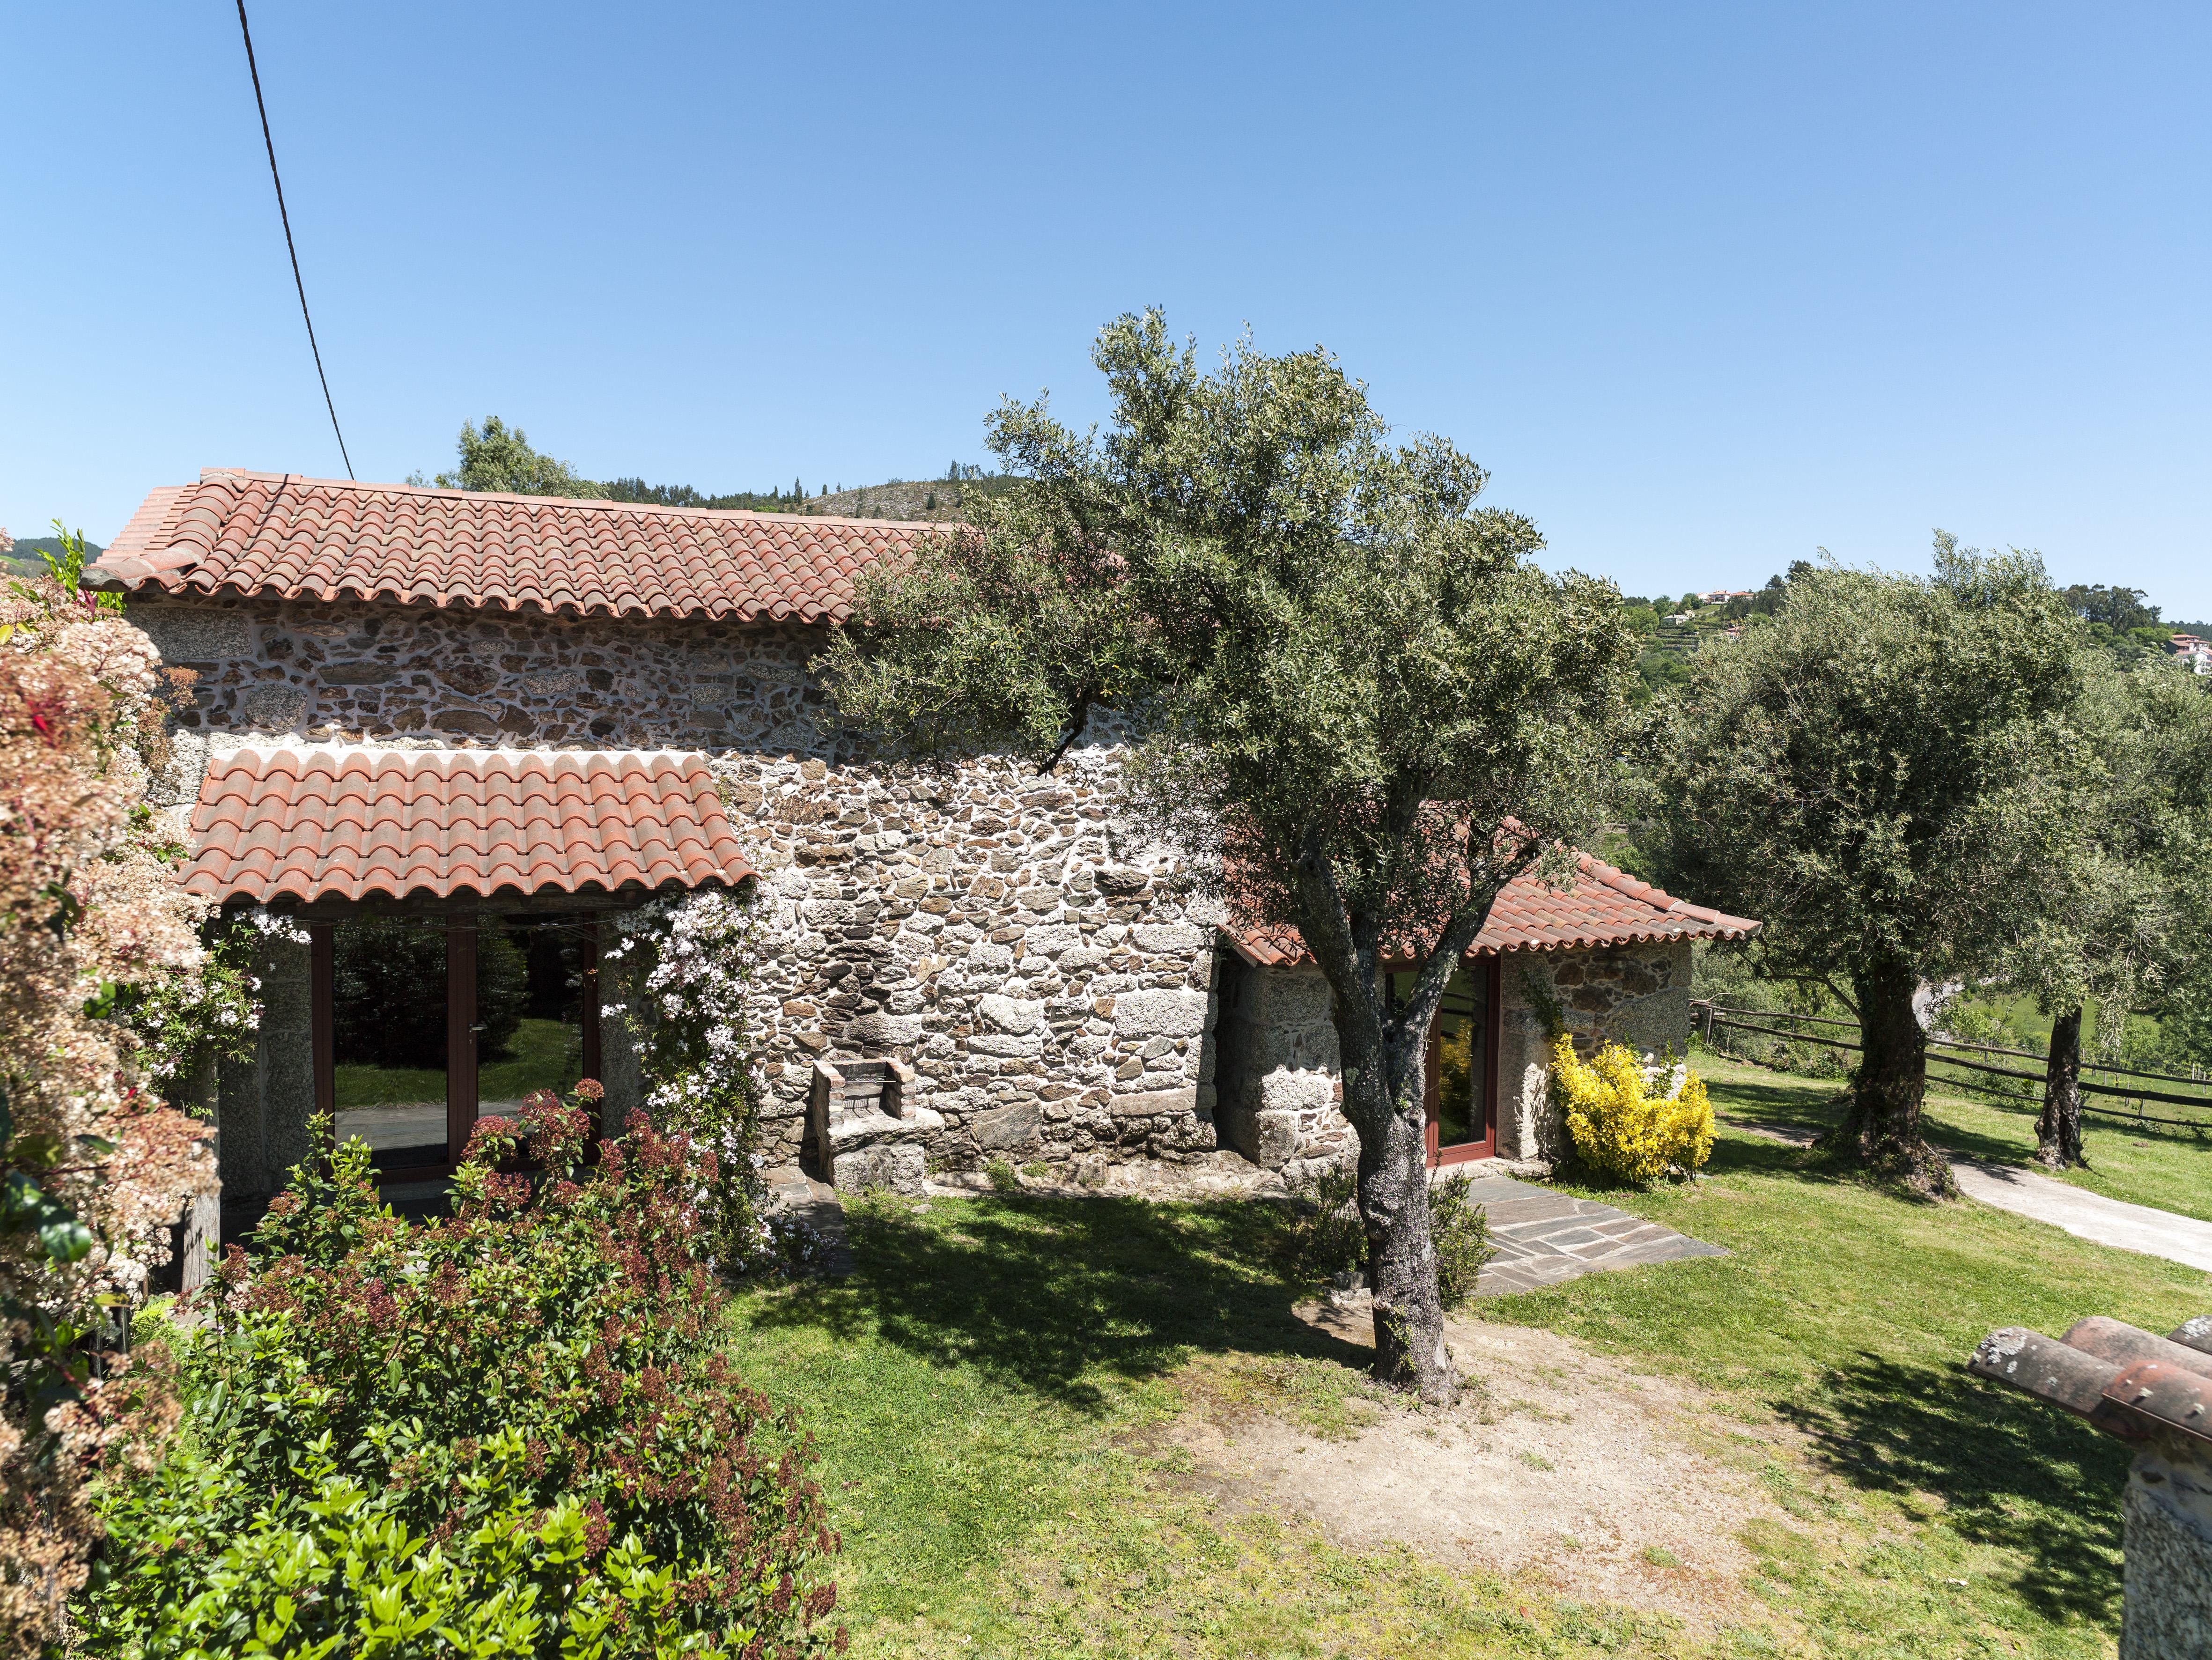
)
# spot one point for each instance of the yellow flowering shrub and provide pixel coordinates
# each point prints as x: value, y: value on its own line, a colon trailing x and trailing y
x: 1630, y: 1121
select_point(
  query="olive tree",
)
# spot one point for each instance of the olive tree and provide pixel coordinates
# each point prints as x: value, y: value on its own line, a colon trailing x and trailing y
x: 2124, y: 911
x: 1887, y: 774
x: 1364, y: 708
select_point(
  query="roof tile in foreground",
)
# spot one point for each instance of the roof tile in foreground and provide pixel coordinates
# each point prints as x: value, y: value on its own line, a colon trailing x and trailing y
x: 317, y: 823
x: 331, y: 539
x: 1607, y: 907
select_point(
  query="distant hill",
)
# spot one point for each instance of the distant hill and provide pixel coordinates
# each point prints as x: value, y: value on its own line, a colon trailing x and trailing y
x: 24, y: 560
x: 903, y: 498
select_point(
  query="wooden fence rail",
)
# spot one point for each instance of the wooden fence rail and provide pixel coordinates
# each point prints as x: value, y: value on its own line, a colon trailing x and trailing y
x: 1712, y: 1018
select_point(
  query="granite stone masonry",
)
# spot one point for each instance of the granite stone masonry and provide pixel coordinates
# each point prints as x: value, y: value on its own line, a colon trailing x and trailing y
x: 1052, y: 981
x: 1047, y: 975
x: 1281, y: 1094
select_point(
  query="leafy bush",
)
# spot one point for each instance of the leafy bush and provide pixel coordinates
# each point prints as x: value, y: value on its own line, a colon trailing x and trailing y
x: 1329, y: 1242
x: 506, y: 1434
x: 1630, y: 1121
x: 1461, y: 1233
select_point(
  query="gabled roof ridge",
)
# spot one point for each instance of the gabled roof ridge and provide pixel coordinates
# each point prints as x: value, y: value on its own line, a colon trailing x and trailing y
x: 308, y: 749
x: 228, y: 474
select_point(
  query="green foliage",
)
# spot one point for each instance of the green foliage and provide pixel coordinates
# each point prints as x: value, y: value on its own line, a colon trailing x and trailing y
x: 1327, y: 1241
x: 2121, y: 610
x: 184, y: 1019
x: 1347, y: 674
x: 1885, y: 772
x: 1461, y: 1228
x: 509, y: 1430
x: 497, y: 457
x: 1004, y: 1178
x: 2124, y: 911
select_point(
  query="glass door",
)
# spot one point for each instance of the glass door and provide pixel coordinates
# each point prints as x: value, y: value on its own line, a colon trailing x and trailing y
x: 536, y: 1008
x: 424, y: 1024
x: 1462, y: 1070
x: 384, y: 1019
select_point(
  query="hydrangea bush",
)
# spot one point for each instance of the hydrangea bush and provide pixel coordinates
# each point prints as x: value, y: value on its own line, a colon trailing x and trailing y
x: 1630, y: 1119
x: 95, y: 1165
x: 511, y: 1432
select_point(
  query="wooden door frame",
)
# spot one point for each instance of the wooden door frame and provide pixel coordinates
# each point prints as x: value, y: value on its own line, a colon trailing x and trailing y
x: 462, y: 1097
x: 1469, y: 1151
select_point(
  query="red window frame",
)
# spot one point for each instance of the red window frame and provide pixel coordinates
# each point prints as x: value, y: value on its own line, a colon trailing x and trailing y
x: 1461, y: 1152
x: 461, y: 1094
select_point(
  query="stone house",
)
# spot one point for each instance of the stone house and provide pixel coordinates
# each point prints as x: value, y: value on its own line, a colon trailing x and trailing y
x: 448, y: 736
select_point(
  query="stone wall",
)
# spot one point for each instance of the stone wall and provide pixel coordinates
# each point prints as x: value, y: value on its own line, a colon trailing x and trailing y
x: 1047, y: 975
x: 1048, y: 980
x: 1281, y: 1102
x: 263, y: 1104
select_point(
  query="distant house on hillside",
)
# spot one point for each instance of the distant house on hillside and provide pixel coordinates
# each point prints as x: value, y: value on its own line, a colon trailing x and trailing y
x: 1722, y: 596
x: 453, y: 736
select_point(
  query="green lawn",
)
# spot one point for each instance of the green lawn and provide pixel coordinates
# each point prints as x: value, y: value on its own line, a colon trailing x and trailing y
x: 2144, y: 1164
x: 538, y: 1057
x: 986, y: 1391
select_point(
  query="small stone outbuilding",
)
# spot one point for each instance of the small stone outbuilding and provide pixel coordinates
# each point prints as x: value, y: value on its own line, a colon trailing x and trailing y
x: 1608, y: 958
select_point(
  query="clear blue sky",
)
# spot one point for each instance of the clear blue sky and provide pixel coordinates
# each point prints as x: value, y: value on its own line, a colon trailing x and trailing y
x: 1705, y: 287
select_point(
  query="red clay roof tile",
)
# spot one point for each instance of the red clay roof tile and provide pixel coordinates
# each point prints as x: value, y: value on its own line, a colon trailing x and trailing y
x: 1607, y: 907
x: 315, y: 823
x: 327, y: 539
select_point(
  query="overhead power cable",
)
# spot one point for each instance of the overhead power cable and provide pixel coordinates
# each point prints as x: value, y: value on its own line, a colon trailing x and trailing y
x: 254, y: 70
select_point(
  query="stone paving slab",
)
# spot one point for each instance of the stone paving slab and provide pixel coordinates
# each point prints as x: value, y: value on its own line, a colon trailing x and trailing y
x: 1546, y: 1237
x: 815, y: 1203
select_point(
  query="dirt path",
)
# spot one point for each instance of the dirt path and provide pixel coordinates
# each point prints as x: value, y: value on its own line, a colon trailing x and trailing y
x: 1563, y: 1465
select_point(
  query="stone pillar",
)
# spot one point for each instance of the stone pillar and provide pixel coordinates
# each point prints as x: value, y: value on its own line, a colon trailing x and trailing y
x: 2168, y: 1573
x: 621, y: 1075
x: 286, y: 1058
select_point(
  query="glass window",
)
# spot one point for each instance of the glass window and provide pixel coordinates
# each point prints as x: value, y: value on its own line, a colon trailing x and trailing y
x: 530, y: 986
x: 388, y: 1038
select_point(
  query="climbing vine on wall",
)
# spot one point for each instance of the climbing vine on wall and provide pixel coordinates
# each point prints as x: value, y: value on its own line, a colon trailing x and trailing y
x: 685, y: 966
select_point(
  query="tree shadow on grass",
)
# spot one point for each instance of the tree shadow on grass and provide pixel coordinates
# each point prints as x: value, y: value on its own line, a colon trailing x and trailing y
x: 1057, y: 1296
x: 2011, y: 1472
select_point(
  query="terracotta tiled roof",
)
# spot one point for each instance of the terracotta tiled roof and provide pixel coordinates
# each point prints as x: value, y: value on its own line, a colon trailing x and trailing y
x: 324, y: 539
x: 314, y: 822
x: 1607, y: 907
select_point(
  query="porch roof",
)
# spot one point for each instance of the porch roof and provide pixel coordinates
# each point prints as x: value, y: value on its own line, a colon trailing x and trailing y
x: 287, y: 536
x: 319, y: 822
x: 1606, y: 907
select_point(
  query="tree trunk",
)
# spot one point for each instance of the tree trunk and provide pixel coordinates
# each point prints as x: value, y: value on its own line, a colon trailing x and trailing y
x: 2058, y: 1132
x: 1882, y: 1129
x: 1402, y: 1259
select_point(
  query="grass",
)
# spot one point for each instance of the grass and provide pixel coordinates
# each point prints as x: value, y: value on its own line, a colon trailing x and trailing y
x: 1846, y: 1311
x: 990, y: 1394
x: 2143, y: 1164
x: 540, y: 1057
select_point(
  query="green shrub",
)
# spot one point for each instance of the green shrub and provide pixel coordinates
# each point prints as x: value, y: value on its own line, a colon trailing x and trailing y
x: 1004, y: 1178
x: 1461, y: 1233
x: 512, y: 1426
x: 1328, y: 1241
